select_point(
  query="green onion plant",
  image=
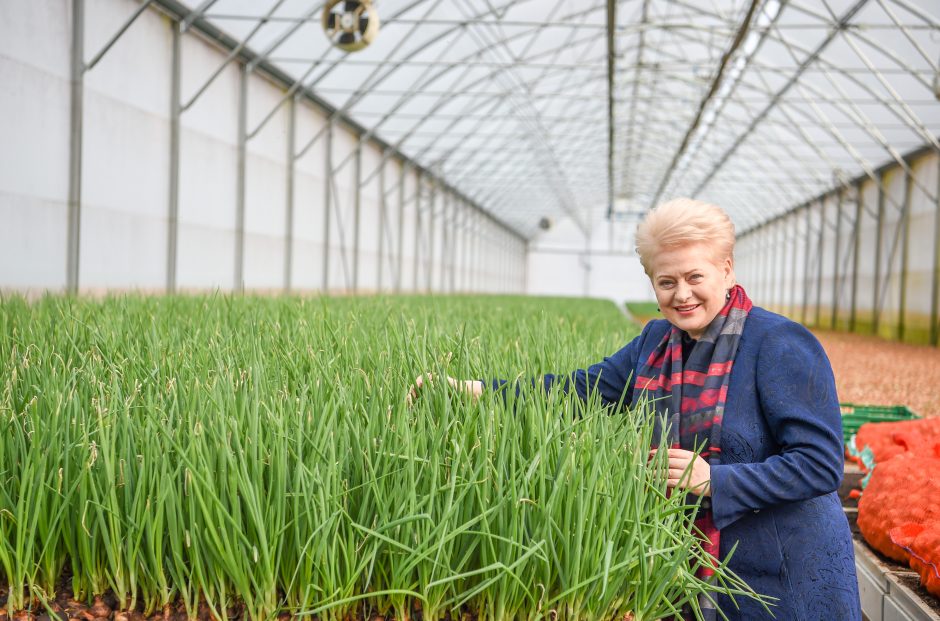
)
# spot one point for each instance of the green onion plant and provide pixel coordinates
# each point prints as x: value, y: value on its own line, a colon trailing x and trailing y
x: 260, y: 454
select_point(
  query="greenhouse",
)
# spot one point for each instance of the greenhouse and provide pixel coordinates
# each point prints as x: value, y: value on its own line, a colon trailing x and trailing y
x: 476, y: 310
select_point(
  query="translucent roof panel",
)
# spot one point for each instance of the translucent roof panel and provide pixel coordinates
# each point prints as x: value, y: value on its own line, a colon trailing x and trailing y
x: 757, y: 105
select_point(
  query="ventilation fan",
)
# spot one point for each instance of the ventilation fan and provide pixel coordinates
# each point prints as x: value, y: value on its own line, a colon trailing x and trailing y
x: 350, y: 25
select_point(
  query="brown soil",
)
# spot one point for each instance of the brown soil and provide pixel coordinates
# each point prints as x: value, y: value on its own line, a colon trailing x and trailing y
x: 873, y: 371
x: 107, y: 608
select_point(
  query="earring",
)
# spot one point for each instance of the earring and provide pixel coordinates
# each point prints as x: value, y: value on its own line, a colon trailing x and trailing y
x: 728, y: 294
x: 657, y: 310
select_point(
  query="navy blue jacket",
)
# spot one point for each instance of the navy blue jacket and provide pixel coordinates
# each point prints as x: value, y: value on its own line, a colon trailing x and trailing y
x: 782, y: 461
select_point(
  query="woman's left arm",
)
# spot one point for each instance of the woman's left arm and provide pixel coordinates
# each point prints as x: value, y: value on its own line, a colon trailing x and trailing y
x: 797, y: 394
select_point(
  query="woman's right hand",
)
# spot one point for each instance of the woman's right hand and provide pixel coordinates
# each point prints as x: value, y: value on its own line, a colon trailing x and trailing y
x: 474, y: 388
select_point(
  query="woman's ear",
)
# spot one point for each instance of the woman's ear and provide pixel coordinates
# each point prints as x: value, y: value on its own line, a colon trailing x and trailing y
x: 729, y: 272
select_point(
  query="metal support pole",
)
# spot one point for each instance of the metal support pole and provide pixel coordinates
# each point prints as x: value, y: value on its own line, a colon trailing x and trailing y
x: 781, y: 263
x: 450, y: 247
x: 819, y: 261
x: 77, y: 84
x: 327, y: 203
x: 445, y: 248
x: 525, y: 267
x: 172, y: 224
x: 468, y: 250
x: 905, y: 252
x: 357, y: 209
x: 794, y: 281
x: 289, y: 224
x: 806, y: 266
x: 766, y: 263
x: 879, y: 231
x: 935, y: 288
x: 455, y: 214
x: 417, y: 257
x: 479, y: 258
x: 240, y: 178
x: 401, y: 228
x: 432, y: 233
x: 382, y: 224
x: 856, y: 245
x: 835, y: 261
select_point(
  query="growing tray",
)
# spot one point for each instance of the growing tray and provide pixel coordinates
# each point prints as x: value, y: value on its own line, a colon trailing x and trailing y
x: 855, y: 415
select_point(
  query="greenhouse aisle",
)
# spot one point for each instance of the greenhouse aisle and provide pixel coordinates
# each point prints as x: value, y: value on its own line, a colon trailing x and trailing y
x: 874, y: 371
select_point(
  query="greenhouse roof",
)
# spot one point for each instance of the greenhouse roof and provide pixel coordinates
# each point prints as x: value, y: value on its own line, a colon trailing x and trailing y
x: 532, y: 109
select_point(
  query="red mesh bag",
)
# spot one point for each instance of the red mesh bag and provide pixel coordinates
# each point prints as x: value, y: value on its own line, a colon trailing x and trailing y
x: 903, y: 490
x: 922, y: 542
x: 887, y: 440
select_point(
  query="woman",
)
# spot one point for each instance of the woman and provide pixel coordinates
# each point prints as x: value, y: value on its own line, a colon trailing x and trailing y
x: 757, y: 390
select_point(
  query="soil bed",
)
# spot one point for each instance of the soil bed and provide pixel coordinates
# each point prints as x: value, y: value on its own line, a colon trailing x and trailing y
x: 874, y: 371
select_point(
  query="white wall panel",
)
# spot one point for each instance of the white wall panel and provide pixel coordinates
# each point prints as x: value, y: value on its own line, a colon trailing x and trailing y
x: 309, y: 205
x: 215, y: 112
x: 37, y: 34
x: 125, y: 158
x: 206, y: 212
x: 34, y: 108
x: 265, y: 185
x: 32, y: 242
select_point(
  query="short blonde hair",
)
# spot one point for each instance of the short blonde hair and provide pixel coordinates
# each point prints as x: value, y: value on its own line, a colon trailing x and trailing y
x: 684, y: 221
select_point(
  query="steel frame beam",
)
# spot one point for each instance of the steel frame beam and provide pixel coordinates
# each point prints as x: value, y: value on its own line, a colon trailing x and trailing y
x: 383, y: 228
x: 289, y: 219
x: 327, y: 202
x: 806, y: 266
x: 836, y: 277
x: 879, y: 231
x: 905, y: 225
x: 400, y: 274
x: 76, y: 100
x: 240, y: 179
x: 357, y: 213
x: 172, y: 234
x: 935, y: 281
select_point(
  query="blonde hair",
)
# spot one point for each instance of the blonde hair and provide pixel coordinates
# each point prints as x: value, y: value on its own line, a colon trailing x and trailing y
x: 684, y: 221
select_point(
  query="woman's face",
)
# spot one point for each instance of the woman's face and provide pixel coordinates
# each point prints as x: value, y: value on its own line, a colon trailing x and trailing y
x: 691, y: 284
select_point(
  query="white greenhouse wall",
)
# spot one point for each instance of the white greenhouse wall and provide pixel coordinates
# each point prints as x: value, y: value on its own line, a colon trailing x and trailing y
x: 34, y: 153
x: 562, y: 263
x: 420, y: 237
x: 864, y: 257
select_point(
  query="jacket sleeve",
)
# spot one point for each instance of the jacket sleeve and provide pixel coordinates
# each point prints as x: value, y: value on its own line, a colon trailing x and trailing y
x: 797, y: 393
x: 611, y: 377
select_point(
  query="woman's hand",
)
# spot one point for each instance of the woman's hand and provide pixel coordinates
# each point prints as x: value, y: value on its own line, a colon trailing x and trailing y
x: 696, y: 479
x: 474, y: 388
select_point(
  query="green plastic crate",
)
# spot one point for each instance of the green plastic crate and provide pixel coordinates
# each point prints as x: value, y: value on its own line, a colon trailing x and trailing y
x: 854, y: 416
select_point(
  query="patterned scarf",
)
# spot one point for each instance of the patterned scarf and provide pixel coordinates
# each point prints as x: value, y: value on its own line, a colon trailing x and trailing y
x: 692, y: 397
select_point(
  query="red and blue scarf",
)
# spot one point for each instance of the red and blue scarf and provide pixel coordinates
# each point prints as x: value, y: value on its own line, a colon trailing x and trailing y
x: 691, y: 396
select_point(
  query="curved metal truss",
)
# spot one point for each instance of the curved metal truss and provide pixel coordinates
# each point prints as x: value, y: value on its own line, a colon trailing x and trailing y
x: 529, y: 109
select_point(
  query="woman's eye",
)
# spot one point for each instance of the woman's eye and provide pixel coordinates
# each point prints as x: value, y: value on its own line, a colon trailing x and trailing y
x: 665, y: 284
x: 696, y: 277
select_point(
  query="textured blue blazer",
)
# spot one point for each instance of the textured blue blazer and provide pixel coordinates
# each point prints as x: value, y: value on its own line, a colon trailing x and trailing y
x: 782, y: 461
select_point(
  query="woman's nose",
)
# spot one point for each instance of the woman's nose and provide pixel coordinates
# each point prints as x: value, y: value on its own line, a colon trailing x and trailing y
x: 683, y: 292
